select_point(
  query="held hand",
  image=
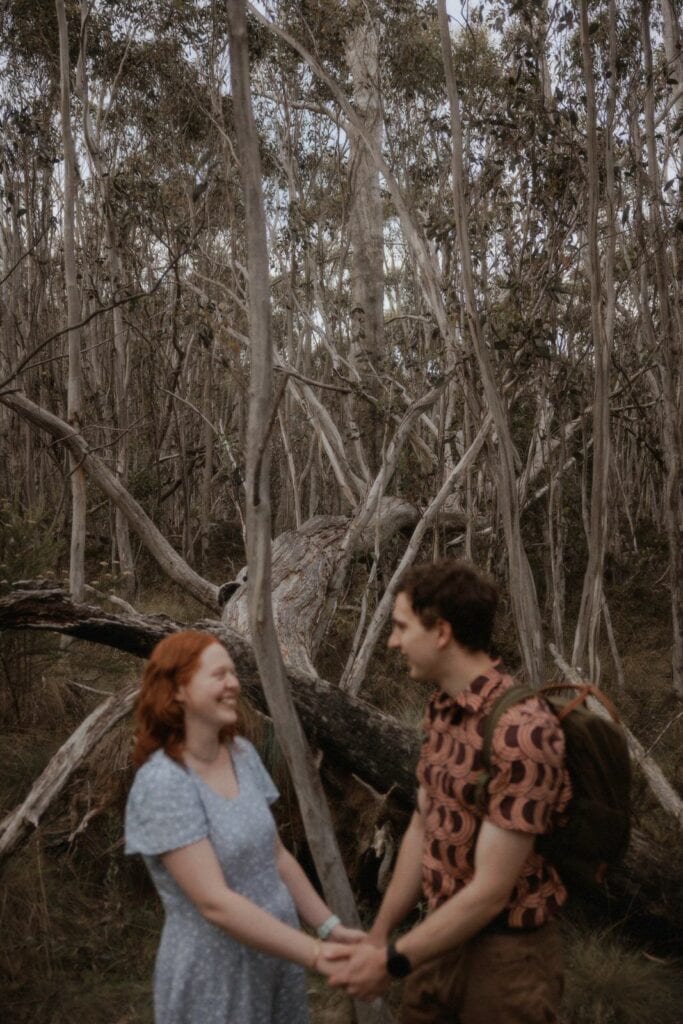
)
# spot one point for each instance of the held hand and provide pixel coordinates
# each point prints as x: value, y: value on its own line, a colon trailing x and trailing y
x: 332, y: 957
x: 364, y: 974
x: 349, y: 936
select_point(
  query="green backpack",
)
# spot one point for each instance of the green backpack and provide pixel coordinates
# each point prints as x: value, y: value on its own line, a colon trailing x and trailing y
x: 594, y: 832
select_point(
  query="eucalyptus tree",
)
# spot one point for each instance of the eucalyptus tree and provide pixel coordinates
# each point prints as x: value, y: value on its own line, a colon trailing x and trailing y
x: 73, y: 312
x: 161, y: 254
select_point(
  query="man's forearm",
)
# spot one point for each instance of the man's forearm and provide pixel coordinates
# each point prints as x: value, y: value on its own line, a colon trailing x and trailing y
x: 406, y: 883
x: 499, y: 856
x: 453, y: 923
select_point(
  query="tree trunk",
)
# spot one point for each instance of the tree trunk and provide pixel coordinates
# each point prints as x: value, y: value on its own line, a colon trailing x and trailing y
x: 366, y: 223
x: 310, y: 794
x: 73, y: 306
x: 522, y: 588
x: 587, y: 634
x: 671, y: 313
x: 103, y: 174
x: 355, y: 736
x: 354, y: 674
x: 17, y: 826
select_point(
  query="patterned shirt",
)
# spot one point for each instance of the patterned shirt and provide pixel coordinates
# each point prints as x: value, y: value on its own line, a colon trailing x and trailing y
x: 529, y: 784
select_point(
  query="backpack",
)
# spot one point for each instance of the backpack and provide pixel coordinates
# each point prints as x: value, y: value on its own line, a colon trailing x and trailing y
x: 593, y: 833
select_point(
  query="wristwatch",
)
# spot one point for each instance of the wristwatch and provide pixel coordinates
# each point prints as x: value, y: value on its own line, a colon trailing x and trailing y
x: 398, y: 964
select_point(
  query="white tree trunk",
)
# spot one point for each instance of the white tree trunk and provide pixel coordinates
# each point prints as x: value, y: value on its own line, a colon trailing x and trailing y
x: 522, y: 587
x: 587, y: 634
x: 312, y: 802
x: 73, y: 306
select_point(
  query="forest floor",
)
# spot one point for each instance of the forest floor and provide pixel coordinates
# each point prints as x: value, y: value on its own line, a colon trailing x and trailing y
x: 80, y: 922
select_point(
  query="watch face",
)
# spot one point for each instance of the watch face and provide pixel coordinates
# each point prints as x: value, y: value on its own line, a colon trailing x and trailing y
x: 398, y: 965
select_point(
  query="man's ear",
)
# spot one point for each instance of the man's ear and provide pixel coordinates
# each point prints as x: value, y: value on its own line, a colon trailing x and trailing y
x: 444, y: 633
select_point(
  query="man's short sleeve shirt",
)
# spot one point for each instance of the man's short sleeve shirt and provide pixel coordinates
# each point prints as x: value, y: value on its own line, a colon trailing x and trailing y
x: 529, y: 784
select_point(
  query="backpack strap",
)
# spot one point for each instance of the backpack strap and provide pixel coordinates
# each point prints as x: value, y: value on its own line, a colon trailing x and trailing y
x: 515, y: 695
x: 583, y: 692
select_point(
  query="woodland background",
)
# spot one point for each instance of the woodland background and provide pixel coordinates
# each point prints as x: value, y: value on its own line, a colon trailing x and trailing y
x: 473, y: 281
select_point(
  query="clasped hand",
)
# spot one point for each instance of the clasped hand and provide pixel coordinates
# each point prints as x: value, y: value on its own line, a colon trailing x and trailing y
x: 360, y: 968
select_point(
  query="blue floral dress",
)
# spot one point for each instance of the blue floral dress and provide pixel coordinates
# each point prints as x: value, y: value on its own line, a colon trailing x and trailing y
x: 202, y: 975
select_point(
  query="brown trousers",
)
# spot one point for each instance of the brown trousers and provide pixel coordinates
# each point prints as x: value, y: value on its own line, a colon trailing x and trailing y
x: 492, y: 979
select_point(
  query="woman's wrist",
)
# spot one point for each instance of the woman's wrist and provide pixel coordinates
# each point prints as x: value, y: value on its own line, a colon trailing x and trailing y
x: 317, y: 950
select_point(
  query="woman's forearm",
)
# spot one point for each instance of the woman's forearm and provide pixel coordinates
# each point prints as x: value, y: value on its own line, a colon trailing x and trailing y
x: 310, y: 906
x: 198, y: 873
x: 255, y: 927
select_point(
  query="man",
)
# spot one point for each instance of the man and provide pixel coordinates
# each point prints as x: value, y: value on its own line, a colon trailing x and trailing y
x: 488, y: 951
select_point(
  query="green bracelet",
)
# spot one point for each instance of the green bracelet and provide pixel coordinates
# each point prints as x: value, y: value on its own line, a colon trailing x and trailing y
x: 328, y: 926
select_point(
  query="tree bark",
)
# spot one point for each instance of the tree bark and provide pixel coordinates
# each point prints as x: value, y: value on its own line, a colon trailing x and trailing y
x: 366, y: 223
x: 587, y: 634
x: 671, y: 319
x: 354, y: 674
x: 18, y: 825
x: 103, y: 176
x: 354, y: 736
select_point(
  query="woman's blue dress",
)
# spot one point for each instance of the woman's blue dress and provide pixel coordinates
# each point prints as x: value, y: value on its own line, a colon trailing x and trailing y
x: 202, y: 975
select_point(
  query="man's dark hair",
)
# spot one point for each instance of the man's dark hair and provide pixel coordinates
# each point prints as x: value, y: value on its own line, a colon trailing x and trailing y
x: 457, y: 592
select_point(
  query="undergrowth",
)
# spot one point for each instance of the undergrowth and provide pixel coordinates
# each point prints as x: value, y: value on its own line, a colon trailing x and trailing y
x: 610, y: 983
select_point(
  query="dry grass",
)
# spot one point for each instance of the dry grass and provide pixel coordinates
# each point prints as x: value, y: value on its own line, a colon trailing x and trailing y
x: 610, y: 983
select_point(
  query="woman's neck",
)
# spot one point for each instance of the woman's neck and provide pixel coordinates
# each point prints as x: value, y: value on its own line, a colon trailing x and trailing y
x: 202, y: 744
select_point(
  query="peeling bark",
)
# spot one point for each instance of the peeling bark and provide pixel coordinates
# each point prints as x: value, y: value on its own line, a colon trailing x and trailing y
x: 304, y: 563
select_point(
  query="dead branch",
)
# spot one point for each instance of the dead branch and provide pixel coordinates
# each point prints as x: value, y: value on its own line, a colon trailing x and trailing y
x: 17, y: 826
x: 157, y: 545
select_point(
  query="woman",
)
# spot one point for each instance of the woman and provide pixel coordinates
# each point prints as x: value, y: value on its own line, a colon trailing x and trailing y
x: 231, y: 950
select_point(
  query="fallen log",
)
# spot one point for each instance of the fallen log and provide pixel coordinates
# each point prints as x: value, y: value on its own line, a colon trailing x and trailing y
x: 355, y: 736
x: 16, y: 827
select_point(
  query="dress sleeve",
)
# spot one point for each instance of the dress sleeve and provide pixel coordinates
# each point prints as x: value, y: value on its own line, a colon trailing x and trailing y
x: 259, y: 773
x: 529, y: 781
x: 164, y: 810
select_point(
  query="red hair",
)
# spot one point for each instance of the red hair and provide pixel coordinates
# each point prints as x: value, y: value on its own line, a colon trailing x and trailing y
x: 159, y: 717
